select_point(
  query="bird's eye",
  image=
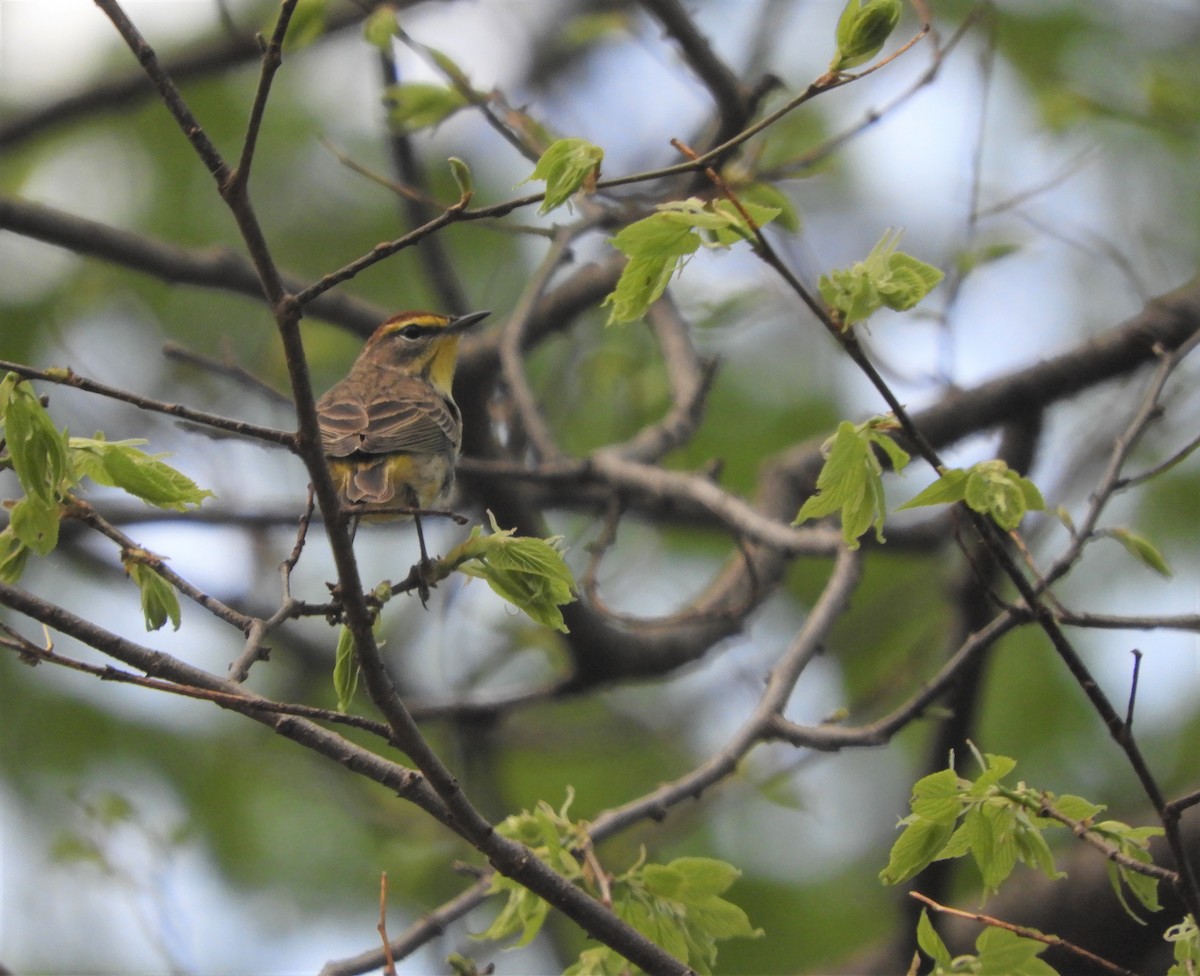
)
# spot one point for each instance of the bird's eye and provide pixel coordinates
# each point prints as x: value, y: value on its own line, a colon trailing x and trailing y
x: 411, y: 332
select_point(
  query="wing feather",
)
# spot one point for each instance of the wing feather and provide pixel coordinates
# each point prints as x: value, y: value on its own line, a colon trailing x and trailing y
x: 404, y: 416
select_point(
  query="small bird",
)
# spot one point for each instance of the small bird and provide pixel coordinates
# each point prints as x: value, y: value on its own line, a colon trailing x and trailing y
x: 391, y: 430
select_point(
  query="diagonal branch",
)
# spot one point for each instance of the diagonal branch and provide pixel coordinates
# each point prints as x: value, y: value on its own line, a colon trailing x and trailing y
x: 209, y: 268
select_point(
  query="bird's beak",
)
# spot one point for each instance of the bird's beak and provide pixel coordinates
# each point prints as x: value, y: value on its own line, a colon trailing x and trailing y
x: 463, y: 322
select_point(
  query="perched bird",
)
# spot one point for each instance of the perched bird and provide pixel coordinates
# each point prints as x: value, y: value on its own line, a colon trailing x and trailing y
x: 391, y: 430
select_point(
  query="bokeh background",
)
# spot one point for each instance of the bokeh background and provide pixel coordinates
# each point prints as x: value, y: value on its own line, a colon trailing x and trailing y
x: 141, y: 833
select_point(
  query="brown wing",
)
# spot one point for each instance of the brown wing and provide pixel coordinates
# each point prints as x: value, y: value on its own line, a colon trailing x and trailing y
x: 405, y: 416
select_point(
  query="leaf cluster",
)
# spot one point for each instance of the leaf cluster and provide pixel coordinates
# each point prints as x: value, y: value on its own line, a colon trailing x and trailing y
x: 50, y: 466
x: 677, y: 905
x: 658, y: 245
x: 990, y: 488
x: 566, y: 167
x: 885, y: 278
x: 851, y: 480
x: 999, y: 826
x: 997, y: 951
x: 529, y: 573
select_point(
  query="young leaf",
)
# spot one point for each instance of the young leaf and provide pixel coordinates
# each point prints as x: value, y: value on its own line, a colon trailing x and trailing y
x: 35, y: 524
x: 887, y: 278
x: 345, y: 669
x: 920, y: 844
x: 7, y: 386
x: 462, y: 177
x: 38, y: 449
x: 989, y: 488
x: 655, y: 249
x: 529, y: 573
x: 307, y: 24
x: 380, y: 27
x: 931, y: 943
x: 1133, y: 842
x: 160, y: 602
x: 420, y: 104
x: 122, y: 465
x: 1142, y: 549
x: 851, y: 481
x: 450, y: 68
x: 569, y: 165
x: 862, y: 30
x: 950, y: 487
x: 13, y: 556
x: 1000, y: 951
x: 1185, y: 941
x: 657, y: 245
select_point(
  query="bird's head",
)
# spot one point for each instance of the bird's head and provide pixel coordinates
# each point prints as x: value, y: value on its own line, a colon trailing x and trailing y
x: 421, y: 344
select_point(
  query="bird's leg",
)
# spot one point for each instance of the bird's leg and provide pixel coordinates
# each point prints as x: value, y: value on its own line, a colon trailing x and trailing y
x: 424, y: 567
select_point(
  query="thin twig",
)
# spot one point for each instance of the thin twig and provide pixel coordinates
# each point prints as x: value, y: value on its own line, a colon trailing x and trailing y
x: 1027, y: 933
x: 67, y: 377
x: 389, y: 963
x: 272, y: 58
x: 760, y: 726
x: 1133, y: 687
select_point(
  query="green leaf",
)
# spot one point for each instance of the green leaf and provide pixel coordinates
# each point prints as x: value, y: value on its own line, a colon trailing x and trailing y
x: 160, y: 602
x: 1076, y: 807
x: 990, y: 488
x: 886, y: 277
x: 345, y: 669
x: 704, y: 876
x: 995, y: 768
x: 657, y: 246
x: 1142, y: 549
x: 938, y: 796
x: 35, y: 523
x: 1004, y: 953
x: 770, y: 197
x: 307, y: 25
x: 120, y: 464
x: 37, y: 448
x: 462, y: 177
x: 950, y: 487
x: 996, y: 490
x: 529, y: 573
x: 992, y: 830
x: 569, y: 165
x: 931, y: 943
x: 918, y: 846
x: 599, y: 961
x: 380, y: 27
x: 1034, y: 851
x: 7, y: 386
x: 1133, y: 842
x: 420, y: 104
x: 862, y: 30
x: 13, y: 556
x: 678, y: 906
x: 1185, y: 941
x: 641, y: 284
x: 450, y: 68
x: 851, y: 481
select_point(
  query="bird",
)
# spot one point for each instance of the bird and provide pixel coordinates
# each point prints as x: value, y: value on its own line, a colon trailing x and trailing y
x: 390, y: 430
